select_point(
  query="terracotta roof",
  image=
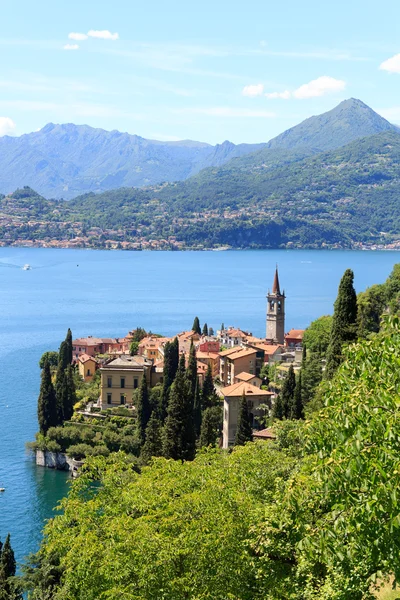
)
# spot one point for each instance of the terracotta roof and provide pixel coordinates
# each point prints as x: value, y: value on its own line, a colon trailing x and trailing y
x: 275, y: 287
x: 242, y: 353
x: 237, y: 389
x: 246, y: 376
x: 295, y: 333
x: 213, y: 355
x: 264, y: 434
x: 235, y: 333
x: 230, y: 351
x: 268, y: 348
x: 85, y: 357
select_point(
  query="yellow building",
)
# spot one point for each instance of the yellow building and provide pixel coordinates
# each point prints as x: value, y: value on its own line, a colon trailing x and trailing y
x: 235, y: 361
x: 87, y: 366
x: 121, y: 377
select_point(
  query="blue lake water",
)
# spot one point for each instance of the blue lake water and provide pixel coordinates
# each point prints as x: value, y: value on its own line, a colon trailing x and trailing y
x: 108, y: 293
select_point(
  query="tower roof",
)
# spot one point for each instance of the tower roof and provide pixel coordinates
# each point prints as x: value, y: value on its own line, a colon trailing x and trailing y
x: 275, y: 287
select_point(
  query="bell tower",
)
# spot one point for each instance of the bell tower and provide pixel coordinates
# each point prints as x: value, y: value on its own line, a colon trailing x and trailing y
x: 276, y: 312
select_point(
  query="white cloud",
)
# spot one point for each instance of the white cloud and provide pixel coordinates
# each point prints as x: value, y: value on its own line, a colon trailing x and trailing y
x: 7, y: 126
x: 391, y: 64
x: 226, y: 111
x: 71, y: 47
x: 253, y: 90
x: 78, y: 37
x: 103, y: 34
x: 319, y: 87
x: 282, y: 95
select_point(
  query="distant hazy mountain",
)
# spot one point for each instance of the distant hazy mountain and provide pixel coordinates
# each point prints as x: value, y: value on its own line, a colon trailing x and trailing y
x: 67, y: 160
x: 64, y: 161
x: 350, y: 120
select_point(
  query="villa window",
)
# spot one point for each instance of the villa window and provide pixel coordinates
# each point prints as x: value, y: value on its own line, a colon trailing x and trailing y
x: 109, y: 398
x: 122, y: 399
x: 135, y: 383
x: 109, y: 381
x: 122, y: 382
x: 88, y: 372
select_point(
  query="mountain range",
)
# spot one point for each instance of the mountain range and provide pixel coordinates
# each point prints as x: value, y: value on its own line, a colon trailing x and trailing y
x: 64, y: 161
x: 334, y: 180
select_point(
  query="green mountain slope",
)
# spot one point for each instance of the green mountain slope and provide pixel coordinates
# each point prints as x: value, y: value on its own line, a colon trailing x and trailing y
x: 344, y: 196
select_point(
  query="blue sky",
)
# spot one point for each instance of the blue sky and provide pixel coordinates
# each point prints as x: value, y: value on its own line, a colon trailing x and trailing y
x: 209, y: 71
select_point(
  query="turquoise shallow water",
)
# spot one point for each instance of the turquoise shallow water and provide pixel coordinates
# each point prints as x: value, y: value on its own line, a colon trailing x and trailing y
x: 108, y: 293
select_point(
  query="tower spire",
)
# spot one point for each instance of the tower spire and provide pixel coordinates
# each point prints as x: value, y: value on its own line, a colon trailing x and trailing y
x: 275, y: 287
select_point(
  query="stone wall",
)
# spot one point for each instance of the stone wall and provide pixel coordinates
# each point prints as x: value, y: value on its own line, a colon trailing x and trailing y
x: 57, y: 460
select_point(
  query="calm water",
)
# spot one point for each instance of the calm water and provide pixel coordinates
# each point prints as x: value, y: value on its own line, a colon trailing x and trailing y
x: 108, y: 293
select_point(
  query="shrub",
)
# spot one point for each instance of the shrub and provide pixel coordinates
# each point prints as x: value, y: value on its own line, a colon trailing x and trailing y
x: 80, y: 451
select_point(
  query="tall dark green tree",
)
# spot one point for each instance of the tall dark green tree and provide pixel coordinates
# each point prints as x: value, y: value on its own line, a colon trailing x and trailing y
x: 8, y: 589
x: 197, y: 412
x: 244, y: 432
x: 47, y: 410
x: 143, y: 410
x: 68, y: 343
x: 311, y: 376
x: 208, y: 391
x: 196, y: 326
x: 191, y: 371
x: 153, y: 440
x: 61, y: 390
x: 211, y: 426
x: 277, y: 409
x: 69, y: 395
x: 296, y: 407
x: 171, y: 360
x: 205, y: 329
x: 63, y: 356
x: 287, y: 392
x: 179, y: 439
x: 344, y: 323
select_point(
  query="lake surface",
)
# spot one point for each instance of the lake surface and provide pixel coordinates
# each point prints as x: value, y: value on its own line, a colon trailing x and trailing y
x: 108, y: 293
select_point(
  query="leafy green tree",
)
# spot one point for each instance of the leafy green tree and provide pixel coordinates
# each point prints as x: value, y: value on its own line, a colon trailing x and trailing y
x: 317, y: 335
x: 311, y: 376
x: 244, y: 431
x: 138, y: 334
x: 371, y: 305
x: 211, y: 426
x: 343, y: 323
x: 143, y: 410
x: 153, y: 440
x: 265, y: 373
x: 51, y: 357
x: 205, y: 329
x: 179, y: 435
x: 68, y: 343
x: 47, y: 410
x: 134, y: 348
x: 196, y: 326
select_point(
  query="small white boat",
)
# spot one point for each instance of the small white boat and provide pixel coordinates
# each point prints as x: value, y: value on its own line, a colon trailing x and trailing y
x: 27, y: 267
x: 2, y: 489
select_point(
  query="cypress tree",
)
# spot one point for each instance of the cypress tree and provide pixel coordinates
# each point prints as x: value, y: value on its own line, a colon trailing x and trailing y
x: 277, y: 411
x: 196, y: 326
x: 61, y: 390
x: 311, y: 376
x: 205, y: 329
x: 63, y: 356
x: 8, y: 588
x: 143, y: 410
x: 179, y: 435
x: 208, y: 392
x: 47, y: 410
x: 344, y: 323
x: 69, y: 396
x: 197, y: 414
x: 211, y: 426
x: 171, y: 359
x: 244, y: 432
x: 68, y: 343
x: 287, y: 392
x: 296, y: 409
x: 191, y: 371
x: 153, y: 441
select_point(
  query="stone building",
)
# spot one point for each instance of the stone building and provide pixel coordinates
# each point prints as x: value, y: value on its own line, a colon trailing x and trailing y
x: 276, y: 313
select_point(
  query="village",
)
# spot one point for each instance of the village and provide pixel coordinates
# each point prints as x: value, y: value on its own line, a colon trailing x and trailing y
x: 235, y: 358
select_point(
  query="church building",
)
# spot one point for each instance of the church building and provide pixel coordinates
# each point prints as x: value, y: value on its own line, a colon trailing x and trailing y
x: 276, y: 312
